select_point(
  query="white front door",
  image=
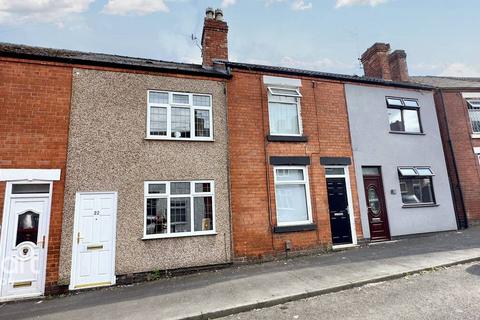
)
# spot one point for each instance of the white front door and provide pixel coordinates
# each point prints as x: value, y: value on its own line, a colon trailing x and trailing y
x: 93, y: 253
x: 25, y: 250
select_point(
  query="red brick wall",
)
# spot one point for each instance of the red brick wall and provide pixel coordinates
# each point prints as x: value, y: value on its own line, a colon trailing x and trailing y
x: 35, y: 104
x: 325, y: 122
x: 459, y: 128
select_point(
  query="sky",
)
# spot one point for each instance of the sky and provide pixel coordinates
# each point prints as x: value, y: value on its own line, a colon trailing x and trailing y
x: 324, y: 35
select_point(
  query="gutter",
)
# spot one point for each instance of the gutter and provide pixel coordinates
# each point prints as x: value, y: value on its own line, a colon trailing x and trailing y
x: 339, y: 77
x: 98, y: 63
x: 455, y: 167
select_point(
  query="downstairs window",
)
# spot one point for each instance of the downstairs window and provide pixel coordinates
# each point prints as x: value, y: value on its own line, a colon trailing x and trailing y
x: 416, y: 185
x: 179, y: 208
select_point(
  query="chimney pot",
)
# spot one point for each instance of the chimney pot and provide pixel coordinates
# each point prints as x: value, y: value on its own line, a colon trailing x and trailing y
x: 219, y: 14
x: 214, y: 38
x: 209, y: 13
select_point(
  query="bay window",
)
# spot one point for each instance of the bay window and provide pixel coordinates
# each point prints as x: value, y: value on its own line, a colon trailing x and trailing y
x: 179, y: 208
x: 179, y: 116
x: 292, y: 195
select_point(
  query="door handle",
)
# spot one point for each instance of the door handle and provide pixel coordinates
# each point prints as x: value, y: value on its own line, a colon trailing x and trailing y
x: 42, y: 242
x: 78, y: 238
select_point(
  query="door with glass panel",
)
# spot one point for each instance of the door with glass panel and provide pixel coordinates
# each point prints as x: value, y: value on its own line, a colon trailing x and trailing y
x: 377, y: 211
x: 24, y: 240
x: 340, y: 219
x: 93, y: 253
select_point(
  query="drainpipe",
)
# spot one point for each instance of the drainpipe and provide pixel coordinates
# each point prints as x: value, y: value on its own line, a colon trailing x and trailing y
x: 458, y: 186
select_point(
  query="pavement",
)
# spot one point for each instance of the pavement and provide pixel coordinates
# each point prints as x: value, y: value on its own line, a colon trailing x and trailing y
x: 446, y: 293
x: 247, y: 287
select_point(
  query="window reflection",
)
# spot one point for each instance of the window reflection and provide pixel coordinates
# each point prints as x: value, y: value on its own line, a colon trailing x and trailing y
x: 27, y: 227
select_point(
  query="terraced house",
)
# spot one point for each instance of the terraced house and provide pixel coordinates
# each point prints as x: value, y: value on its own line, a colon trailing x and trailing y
x: 458, y: 107
x: 35, y: 106
x: 115, y: 168
x: 146, y: 185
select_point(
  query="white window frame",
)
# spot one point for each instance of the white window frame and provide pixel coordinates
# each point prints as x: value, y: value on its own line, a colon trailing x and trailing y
x: 471, y: 108
x: 305, y: 182
x: 169, y: 106
x: 168, y: 196
x: 298, y: 96
x: 346, y: 176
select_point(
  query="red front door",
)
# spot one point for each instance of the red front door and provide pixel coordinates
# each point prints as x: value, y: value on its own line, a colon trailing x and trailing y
x: 377, y: 211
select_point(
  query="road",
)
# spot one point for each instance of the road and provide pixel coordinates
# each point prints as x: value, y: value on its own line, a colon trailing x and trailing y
x: 451, y: 293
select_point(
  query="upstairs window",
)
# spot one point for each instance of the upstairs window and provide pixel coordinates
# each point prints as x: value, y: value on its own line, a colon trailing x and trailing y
x: 416, y: 185
x: 474, y: 113
x: 404, y: 115
x: 284, y: 111
x: 179, y: 116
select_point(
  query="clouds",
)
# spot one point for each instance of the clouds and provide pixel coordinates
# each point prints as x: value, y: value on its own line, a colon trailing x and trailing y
x: 228, y: 3
x: 300, y: 5
x: 349, y: 3
x: 50, y: 11
x: 139, y: 7
x: 460, y: 70
x: 296, y: 5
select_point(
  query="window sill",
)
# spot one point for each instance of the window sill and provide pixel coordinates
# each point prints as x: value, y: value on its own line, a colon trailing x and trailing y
x: 297, y: 228
x: 273, y: 138
x: 180, y: 139
x: 475, y: 135
x: 419, y: 205
x: 183, y: 235
x: 408, y: 133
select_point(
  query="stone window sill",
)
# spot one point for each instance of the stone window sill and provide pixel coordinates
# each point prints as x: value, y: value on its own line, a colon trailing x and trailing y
x: 273, y: 138
x: 426, y: 205
x: 299, y: 228
x: 409, y: 133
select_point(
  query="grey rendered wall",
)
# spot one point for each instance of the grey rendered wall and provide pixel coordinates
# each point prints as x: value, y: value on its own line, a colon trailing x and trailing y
x: 373, y: 145
x: 107, y: 152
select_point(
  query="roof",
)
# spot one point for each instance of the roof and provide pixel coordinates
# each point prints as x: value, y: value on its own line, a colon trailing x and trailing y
x: 448, y: 82
x: 110, y: 60
x: 326, y: 75
x: 101, y: 59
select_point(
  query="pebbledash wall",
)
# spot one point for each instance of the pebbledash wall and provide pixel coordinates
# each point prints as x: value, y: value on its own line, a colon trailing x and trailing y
x: 325, y: 126
x: 374, y: 145
x: 107, y: 151
x: 35, y: 106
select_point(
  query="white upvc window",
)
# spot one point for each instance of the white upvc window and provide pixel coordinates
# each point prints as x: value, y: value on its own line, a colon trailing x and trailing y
x: 179, y: 208
x: 473, y: 105
x: 284, y: 111
x: 179, y: 116
x: 292, y: 195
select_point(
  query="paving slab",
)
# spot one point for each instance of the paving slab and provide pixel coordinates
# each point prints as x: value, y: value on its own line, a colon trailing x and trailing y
x: 241, y: 288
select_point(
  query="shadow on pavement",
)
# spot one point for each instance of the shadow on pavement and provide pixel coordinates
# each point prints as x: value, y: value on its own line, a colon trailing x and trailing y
x: 412, y: 246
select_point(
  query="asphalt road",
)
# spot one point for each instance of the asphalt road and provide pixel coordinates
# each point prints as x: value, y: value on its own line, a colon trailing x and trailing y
x: 451, y: 293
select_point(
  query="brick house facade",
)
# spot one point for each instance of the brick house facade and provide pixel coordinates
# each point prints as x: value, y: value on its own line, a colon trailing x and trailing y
x: 460, y: 131
x: 256, y: 232
x: 35, y: 105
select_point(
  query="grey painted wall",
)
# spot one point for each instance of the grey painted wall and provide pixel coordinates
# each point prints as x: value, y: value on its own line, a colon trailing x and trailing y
x: 107, y: 151
x: 373, y: 145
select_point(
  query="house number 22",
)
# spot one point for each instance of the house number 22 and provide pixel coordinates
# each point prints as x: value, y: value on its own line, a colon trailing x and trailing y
x: 96, y: 213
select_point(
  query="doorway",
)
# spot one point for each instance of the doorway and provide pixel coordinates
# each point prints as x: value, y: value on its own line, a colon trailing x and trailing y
x: 342, y: 222
x: 24, y: 239
x: 93, y: 250
x: 377, y: 210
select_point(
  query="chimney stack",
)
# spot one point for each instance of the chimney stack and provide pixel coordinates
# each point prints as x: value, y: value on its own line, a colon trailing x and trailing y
x: 214, y: 37
x: 378, y: 62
